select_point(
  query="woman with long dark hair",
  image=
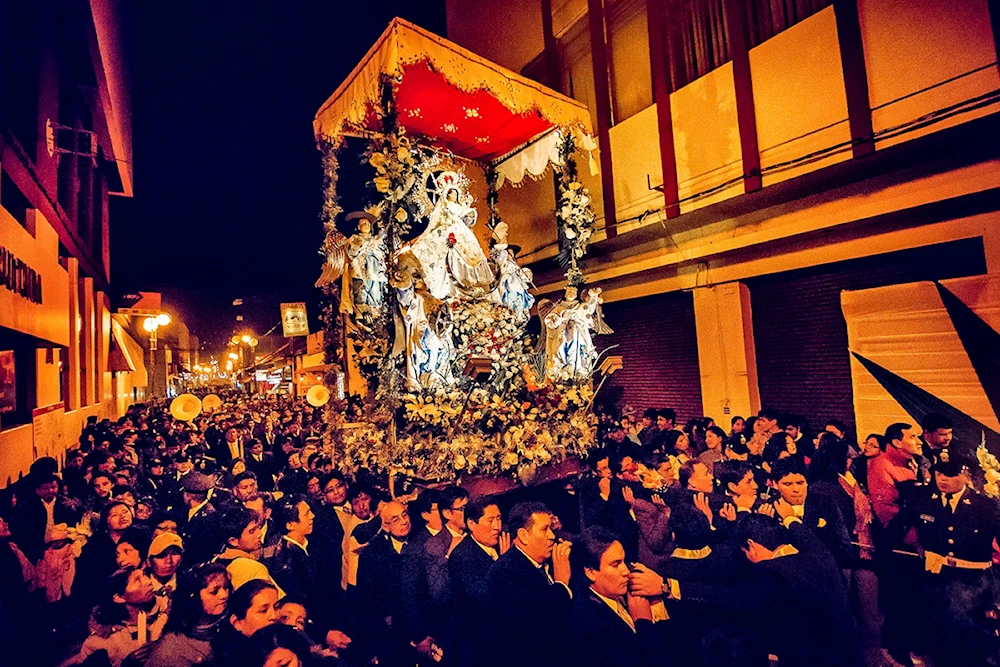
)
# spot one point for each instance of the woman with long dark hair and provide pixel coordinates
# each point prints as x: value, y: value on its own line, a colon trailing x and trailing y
x: 99, y: 558
x: 198, y: 612
x: 251, y: 607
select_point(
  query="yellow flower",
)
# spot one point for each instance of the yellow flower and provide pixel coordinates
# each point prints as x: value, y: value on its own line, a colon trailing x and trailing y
x: 377, y: 160
x: 382, y: 184
x: 510, y: 459
x: 401, y: 214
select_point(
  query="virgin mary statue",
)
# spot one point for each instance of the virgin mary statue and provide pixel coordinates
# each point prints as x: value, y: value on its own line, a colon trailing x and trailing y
x: 448, y: 250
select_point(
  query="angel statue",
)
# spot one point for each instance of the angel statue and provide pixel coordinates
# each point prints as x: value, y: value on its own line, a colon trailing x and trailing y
x: 569, y: 348
x: 448, y: 250
x: 360, y: 262
x: 423, y: 330
x: 515, y: 281
x: 366, y: 253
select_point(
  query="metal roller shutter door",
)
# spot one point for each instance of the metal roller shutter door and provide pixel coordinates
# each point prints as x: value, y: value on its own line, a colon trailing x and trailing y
x: 659, y: 346
x: 803, y: 366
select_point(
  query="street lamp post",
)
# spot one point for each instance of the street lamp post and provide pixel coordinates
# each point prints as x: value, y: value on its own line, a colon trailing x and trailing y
x: 151, y: 325
x: 243, y: 342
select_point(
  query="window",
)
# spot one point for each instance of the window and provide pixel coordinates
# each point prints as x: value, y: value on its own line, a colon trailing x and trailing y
x: 577, y: 66
x: 13, y: 200
x: 628, y: 57
x: 697, y: 38
x: 766, y: 18
x: 20, y: 68
x: 17, y: 378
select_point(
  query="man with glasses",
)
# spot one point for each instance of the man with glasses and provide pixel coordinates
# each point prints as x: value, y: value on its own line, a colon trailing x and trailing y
x: 426, y: 586
x: 379, y: 632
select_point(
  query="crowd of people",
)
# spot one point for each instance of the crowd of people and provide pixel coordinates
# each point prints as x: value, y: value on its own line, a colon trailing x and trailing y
x: 234, y: 540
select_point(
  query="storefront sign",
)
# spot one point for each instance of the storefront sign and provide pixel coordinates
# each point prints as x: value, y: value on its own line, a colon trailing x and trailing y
x: 293, y: 319
x: 140, y: 304
x: 19, y: 278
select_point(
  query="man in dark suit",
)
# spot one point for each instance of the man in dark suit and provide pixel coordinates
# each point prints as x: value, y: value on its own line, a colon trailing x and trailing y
x: 40, y: 508
x: 328, y: 546
x: 531, y: 605
x: 261, y: 464
x: 604, y: 505
x: 610, y: 629
x: 819, y: 512
x: 468, y: 568
x: 379, y: 630
x: 696, y: 558
x: 426, y: 590
x: 812, y: 626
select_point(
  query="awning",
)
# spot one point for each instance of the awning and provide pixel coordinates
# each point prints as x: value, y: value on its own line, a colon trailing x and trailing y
x: 118, y: 361
x: 452, y: 99
x: 127, y: 356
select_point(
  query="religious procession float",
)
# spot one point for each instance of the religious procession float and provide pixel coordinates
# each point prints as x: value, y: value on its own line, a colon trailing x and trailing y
x: 452, y: 367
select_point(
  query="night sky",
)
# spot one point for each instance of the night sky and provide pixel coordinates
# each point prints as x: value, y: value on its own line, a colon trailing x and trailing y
x: 227, y: 175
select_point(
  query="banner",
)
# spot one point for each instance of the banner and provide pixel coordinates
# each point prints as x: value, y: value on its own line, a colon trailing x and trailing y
x: 293, y: 319
x: 8, y: 382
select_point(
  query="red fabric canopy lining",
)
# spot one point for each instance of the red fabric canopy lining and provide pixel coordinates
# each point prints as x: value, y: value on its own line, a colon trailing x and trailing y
x: 470, y: 124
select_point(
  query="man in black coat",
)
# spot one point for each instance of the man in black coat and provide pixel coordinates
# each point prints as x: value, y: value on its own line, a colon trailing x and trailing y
x: 812, y: 624
x: 378, y: 630
x: 468, y: 567
x: 604, y: 505
x: 261, y: 464
x: 424, y: 582
x: 531, y: 604
x: 696, y: 558
x: 41, y: 507
x: 610, y: 629
x: 818, y: 512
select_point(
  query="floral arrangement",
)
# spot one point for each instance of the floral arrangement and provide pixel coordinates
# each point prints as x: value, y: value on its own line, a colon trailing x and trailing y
x: 444, y: 434
x: 394, y: 160
x: 484, y: 328
x: 574, y: 215
x: 991, y: 468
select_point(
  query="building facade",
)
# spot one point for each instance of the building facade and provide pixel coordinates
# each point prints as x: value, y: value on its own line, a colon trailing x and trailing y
x: 758, y: 159
x: 65, y: 148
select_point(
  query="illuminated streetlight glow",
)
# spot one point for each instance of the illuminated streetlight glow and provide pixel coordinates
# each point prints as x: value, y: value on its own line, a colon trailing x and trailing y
x: 246, y: 338
x: 163, y: 319
x: 150, y: 324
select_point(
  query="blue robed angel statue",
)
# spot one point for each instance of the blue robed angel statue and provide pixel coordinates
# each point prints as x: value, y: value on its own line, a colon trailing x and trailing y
x: 569, y: 348
x: 367, y: 257
x: 514, y: 281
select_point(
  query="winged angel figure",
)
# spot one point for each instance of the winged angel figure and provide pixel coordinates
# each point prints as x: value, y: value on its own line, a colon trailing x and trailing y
x: 569, y: 347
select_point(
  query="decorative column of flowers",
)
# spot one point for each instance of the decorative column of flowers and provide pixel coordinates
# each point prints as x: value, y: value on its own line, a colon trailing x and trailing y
x: 574, y: 215
x: 334, y: 341
x: 394, y: 159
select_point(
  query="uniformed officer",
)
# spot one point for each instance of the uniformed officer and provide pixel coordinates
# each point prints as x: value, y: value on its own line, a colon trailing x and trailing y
x: 954, y: 526
x: 196, y: 518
